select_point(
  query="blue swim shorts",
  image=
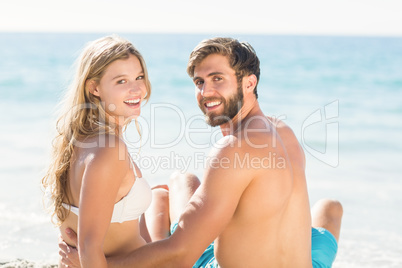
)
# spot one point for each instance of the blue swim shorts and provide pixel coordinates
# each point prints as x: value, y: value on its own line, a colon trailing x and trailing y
x: 323, y: 250
x: 207, y: 259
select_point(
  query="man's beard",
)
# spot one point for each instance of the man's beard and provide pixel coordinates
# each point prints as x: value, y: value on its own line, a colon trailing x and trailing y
x: 231, y: 106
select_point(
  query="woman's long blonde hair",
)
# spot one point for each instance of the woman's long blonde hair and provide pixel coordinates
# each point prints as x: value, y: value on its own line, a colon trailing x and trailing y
x: 83, y: 116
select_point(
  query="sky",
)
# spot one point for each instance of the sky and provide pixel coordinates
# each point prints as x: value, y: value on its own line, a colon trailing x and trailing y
x: 307, y: 17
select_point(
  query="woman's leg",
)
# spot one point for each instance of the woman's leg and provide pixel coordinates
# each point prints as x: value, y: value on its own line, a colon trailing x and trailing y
x: 155, y: 223
x: 181, y: 188
x: 327, y: 214
x: 167, y: 206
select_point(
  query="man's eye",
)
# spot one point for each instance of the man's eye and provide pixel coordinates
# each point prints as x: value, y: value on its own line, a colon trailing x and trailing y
x: 216, y: 78
x: 141, y: 77
x: 199, y: 82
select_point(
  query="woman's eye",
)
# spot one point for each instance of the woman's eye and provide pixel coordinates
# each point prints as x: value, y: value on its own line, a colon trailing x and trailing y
x: 141, y: 77
x: 123, y: 81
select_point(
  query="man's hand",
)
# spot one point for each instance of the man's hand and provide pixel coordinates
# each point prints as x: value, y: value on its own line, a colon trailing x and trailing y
x: 68, y: 254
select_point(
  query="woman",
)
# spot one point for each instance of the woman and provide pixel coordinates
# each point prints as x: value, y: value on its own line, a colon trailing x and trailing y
x: 95, y: 187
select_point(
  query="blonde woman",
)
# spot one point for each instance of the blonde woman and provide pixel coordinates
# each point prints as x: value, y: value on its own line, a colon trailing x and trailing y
x: 95, y: 187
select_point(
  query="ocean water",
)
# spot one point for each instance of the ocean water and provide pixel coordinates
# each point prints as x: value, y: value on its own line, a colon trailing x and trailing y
x: 341, y: 95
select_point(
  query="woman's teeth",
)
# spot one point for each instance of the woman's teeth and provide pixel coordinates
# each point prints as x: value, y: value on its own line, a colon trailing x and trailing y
x: 132, y: 101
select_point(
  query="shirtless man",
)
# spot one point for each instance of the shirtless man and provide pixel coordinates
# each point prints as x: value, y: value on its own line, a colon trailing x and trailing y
x: 253, y: 201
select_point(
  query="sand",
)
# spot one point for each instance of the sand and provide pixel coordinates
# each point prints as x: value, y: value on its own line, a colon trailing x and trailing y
x: 25, y: 264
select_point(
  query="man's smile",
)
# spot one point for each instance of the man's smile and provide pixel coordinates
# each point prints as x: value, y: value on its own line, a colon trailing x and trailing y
x: 212, y: 104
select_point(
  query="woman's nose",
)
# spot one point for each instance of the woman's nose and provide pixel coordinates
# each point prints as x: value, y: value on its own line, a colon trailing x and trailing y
x: 135, y: 87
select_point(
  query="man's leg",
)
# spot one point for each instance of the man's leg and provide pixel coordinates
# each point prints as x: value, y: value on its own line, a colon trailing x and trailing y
x: 327, y: 214
x: 326, y: 222
x: 155, y: 222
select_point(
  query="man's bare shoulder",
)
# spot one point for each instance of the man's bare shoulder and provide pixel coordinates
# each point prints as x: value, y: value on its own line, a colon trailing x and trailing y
x: 228, y: 157
x: 225, y: 148
x: 232, y: 145
x: 281, y: 127
x: 249, y: 156
x: 289, y: 139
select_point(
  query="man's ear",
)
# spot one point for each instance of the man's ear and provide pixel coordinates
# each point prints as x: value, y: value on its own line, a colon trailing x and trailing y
x: 92, y: 87
x: 250, y: 83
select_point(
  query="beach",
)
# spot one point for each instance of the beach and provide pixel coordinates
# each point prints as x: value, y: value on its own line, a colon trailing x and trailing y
x: 25, y: 263
x: 342, y: 96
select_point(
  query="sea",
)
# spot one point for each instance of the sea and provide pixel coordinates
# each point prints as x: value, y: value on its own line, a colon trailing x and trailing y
x: 341, y: 95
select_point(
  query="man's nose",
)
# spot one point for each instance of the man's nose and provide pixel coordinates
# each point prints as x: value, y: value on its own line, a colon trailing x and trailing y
x: 207, y: 90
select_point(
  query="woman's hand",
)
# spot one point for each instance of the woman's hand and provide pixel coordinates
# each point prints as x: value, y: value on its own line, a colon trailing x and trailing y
x: 68, y: 254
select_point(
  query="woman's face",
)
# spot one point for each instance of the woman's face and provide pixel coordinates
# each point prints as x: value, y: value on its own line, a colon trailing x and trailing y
x: 122, y: 89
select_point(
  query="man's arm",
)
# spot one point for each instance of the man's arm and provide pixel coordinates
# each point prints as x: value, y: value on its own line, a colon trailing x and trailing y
x: 68, y: 254
x: 207, y: 214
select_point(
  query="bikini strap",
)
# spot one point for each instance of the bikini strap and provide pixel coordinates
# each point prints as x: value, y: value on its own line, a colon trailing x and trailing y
x: 134, y: 165
x: 135, y: 170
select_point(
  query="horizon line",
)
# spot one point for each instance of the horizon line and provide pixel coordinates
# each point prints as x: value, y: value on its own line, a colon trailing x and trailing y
x: 226, y: 33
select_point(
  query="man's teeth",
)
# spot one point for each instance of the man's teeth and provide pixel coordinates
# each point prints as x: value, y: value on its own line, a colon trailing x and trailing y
x: 132, y: 101
x: 210, y: 104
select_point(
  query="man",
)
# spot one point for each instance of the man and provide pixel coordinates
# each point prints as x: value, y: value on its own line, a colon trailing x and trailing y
x: 253, y: 200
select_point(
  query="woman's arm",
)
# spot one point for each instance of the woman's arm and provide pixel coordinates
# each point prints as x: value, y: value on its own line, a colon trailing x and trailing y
x: 104, y: 171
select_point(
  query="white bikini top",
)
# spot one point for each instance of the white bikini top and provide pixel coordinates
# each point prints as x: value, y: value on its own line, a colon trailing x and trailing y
x: 130, y: 207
